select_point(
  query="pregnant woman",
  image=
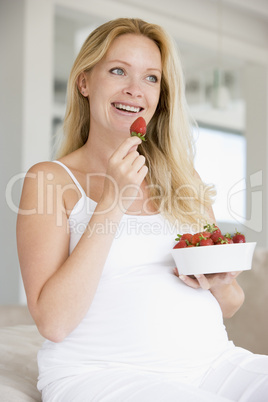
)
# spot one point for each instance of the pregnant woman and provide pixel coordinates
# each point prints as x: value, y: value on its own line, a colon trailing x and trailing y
x: 95, y: 231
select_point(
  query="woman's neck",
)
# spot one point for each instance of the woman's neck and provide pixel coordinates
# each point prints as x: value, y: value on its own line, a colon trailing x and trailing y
x: 99, y: 148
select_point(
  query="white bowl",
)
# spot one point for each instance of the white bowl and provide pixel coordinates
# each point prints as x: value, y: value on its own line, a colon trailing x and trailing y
x: 214, y: 259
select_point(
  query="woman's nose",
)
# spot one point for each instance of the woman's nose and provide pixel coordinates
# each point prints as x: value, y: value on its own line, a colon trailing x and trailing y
x: 133, y: 88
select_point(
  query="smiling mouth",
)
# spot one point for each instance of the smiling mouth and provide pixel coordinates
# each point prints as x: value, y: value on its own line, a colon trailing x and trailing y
x: 127, y: 108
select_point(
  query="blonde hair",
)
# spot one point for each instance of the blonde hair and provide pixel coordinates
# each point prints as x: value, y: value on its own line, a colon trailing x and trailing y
x: 175, y: 188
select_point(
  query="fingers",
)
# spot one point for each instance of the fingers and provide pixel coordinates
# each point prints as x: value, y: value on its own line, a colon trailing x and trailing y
x: 142, y: 173
x: 175, y: 272
x: 127, y: 155
x: 138, y: 162
x: 203, y: 281
x: 229, y: 277
x: 127, y: 146
x: 129, y: 158
x: 132, y: 156
x: 190, y: 281
x: 134, y: 148
x: 207, y: 282
x: 234, y: 274
x: 127, y: 169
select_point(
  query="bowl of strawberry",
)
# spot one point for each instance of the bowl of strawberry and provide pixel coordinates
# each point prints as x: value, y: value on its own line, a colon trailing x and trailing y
x: 229, y: 252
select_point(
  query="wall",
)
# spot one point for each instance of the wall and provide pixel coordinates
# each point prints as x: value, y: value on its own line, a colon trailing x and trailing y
x: 26, y: 41
x: 11, y: 112
x: 256, y: 94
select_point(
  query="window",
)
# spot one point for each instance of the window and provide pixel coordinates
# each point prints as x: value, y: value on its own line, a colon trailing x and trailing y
x: 221, y: 160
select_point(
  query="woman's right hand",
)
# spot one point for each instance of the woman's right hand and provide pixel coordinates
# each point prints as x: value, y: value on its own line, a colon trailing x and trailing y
x: 125, y: 172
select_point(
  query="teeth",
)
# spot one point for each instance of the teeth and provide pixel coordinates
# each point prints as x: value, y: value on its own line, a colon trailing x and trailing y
x: 128, y: 108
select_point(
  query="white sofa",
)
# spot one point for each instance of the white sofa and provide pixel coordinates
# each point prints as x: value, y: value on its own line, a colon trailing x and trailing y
x: 20, y: 340
x: 19, y: 343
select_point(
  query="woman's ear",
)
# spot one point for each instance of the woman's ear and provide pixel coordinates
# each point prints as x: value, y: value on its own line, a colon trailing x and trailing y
x: 82, y: 84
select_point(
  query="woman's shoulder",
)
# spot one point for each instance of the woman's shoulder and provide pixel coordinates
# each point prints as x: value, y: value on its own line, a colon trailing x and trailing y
x: 46, y: 182
x: 49, y: 173
x: 46, y: 171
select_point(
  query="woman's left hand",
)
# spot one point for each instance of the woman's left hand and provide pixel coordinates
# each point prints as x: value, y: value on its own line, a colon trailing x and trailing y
x: 208, y: 281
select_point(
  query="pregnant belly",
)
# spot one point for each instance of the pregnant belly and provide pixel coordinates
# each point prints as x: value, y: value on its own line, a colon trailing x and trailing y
x: 151, y: 320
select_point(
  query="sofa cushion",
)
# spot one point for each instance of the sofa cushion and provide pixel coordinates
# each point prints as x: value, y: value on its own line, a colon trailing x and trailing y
x: 18, y: 367
x: 14, y: 315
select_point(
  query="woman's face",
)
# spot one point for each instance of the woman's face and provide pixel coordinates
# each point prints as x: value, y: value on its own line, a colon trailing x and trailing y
x: 124, y: 85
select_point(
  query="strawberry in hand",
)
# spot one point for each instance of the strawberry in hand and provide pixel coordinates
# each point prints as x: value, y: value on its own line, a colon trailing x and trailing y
x: 138, y: 128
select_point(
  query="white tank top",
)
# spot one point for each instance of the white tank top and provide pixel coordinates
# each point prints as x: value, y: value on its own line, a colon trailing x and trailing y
x: 142, y: 316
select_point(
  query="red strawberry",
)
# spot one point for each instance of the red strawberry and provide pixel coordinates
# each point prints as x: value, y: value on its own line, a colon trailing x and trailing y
x: 181, y: 244
x: 206, y: 234
x: 196, y: 239
x: 206, y: 241
x: 239, y: 238
x: 220, y: 239
x: 185, y: 236
x: 138, y: 128
x: 212, y: 228
x: 228, y: 237
x: 215, y: 237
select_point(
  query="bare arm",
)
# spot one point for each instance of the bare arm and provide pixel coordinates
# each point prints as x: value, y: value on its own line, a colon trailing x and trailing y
x: 59, y: 287
x: 229, y: 294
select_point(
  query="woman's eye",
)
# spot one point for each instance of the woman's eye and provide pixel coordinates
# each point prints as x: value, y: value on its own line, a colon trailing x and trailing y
x: 152, y: 78
x: 117, y: 71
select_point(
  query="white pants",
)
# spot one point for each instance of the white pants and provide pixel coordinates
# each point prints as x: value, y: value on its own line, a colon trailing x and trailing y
x: 239, y: 375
